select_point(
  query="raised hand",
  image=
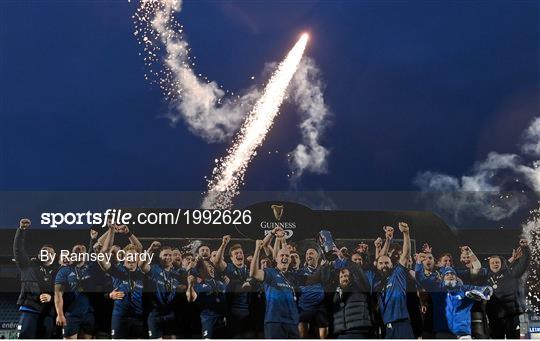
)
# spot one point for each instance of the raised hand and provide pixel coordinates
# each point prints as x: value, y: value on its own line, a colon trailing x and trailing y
x: 280, y: 233
x: 388, y: 232
x: 403, y: 227
x: 24, y: 223
x: 225, y: 240
x: 362, y: 248
x: 465, y: 249
x: 378, y: 243
x: 426, y: 248
x: 123, y: 229
x: 93, y: 234
x: 155, y: 245
x: 517, y: 253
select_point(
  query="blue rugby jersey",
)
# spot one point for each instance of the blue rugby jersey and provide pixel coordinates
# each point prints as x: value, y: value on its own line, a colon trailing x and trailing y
x: 239, y: 300
x: 438, y: 297
x: 73, y: 280
x: 280, y: 298
x: 164, y: 284
x: 392, y: 294
x: 211, y: 298
x: 311, y: 295
x: 131, y: 284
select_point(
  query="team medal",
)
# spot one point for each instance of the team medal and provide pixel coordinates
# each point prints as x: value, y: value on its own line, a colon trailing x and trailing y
x: 495, y: 286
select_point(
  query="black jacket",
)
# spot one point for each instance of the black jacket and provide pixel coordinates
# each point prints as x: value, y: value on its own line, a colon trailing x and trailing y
x: 36, y: 279
x: 351, y: 306
x: 505, y: 300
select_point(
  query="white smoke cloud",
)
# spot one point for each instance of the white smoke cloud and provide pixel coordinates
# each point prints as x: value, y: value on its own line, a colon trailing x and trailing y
x: 484, y: 192
x: 206, y: 108
x: 306, y: 91
x: 201, y: 105
x: 531, y: 139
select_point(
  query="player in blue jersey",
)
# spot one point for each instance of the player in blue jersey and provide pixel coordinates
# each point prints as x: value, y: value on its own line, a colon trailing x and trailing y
x: 209, y: 293
x: 452, y: 301
x: 74, y: 312
x: 390, y: 284
x: 240, y: 321
x: 127, y: 280
x: 166, y: 283
x: 312, y: 310
x: 281, y: 317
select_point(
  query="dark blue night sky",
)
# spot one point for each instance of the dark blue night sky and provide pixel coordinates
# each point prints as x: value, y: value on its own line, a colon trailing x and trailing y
x: 413, y: 86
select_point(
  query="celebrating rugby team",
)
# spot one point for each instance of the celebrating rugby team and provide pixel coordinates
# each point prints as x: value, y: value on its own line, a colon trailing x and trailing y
x: 384, y: 290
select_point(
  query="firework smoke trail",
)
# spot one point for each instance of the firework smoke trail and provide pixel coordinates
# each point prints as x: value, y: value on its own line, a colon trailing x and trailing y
x: 229, y: 174
x: 199, y: 102
x: 211, y: 112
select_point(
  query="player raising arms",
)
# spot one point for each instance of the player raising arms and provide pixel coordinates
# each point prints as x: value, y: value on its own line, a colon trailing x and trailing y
x: 37, y: 276
x: 127, y: 316
x: 281, y: 317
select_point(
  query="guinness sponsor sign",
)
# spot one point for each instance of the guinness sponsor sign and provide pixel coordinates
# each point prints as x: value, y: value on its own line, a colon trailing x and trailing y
x: 278, y: 211
x: 287, y: 226
x: 295, y: 219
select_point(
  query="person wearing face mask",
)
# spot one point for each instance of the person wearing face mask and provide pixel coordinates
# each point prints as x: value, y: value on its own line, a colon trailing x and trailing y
x: 504, y: 308
x: 460, y: 299
x: 35, y: 299
x: 452, y: 301
x: 390, y: 286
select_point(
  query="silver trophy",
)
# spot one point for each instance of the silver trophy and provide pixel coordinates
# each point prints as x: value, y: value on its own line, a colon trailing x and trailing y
x: 327, y: 245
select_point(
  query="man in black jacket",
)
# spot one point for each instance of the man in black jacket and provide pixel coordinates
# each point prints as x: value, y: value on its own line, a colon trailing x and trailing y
x: 351, y: 305
x: 37, y: 277
x: 504, y: 307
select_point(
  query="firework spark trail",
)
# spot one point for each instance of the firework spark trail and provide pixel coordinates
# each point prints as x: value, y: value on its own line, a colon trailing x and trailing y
x: 230, y: 173
x: 212, y: 112
x: 531, y: 231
